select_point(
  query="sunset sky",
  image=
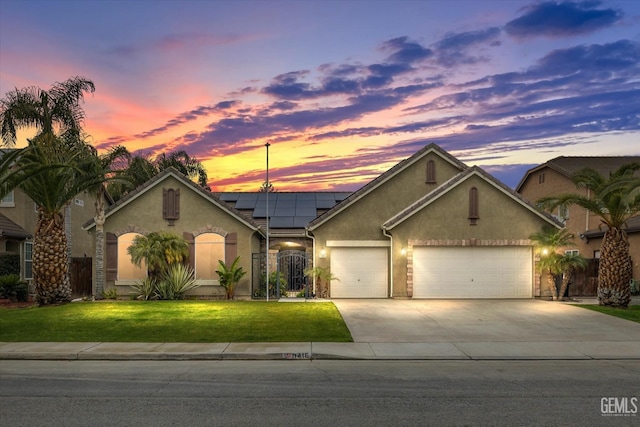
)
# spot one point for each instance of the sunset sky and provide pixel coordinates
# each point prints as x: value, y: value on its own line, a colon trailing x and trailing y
x: 342, y: 90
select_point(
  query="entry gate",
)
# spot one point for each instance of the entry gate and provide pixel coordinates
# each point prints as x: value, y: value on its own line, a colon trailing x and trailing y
x: 289, y: 267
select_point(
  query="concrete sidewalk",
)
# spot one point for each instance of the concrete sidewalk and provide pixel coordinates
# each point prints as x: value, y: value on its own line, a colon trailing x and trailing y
x: 399, y: 330
x: 505, y: 350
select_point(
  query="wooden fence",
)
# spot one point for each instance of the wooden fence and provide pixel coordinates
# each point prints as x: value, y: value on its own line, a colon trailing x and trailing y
x: 80, y: 275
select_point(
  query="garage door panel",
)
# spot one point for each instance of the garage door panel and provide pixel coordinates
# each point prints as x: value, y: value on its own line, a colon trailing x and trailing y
x: 362, y: 272
x: 472, y: 272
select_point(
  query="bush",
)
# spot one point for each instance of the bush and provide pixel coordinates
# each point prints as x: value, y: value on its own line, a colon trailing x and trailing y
x: 145, y: 289
x: 171, y: 286
x: 111, y: 293
x: 9, y: 263
x: 13, y: 288
x: 274, y: 278
x: 176, y: 282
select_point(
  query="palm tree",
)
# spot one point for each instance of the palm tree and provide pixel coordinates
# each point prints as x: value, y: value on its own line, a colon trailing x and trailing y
x: 323, y: 278
x: 47, y: 111
x: 138, y: 169
x: 185, y: 164
x: 49, y: 171
x: 51, y: 175
x: 159, y: 250
x: 142, y: 167
x: 547, y: 242
x: 568, y: 264
x: 230, y: 275
x: 611, y: 200
x: 107, y: 165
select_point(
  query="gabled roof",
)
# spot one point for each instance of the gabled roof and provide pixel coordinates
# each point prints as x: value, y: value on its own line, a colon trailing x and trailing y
x: 386, y: 176
x: 157, y: 180
x: 9, y: 228
x: 453, y: 183
x: 567, y: 166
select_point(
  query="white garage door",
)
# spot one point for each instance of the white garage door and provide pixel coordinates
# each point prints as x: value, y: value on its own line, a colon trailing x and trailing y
x: 362, y: 272
x: 477, y: 272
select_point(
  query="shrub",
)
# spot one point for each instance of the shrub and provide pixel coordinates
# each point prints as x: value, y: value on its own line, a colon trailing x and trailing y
x: 9, y: 263
x: 230, y: 276
x: 275, y: 279
x: 145, y: 289
x: 13, y: 288
x: 176, y: 282
x: 111, y: 293
x: 173, y: 284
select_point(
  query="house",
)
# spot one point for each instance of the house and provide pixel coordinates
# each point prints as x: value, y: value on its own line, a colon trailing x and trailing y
x: 430, y: 227
x: 18, y: 217
x: 555, y: 177
x: 173, y: 203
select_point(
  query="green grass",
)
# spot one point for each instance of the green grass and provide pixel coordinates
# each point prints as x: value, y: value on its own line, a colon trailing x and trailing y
x: 176, y: 321
x: 632, y: 313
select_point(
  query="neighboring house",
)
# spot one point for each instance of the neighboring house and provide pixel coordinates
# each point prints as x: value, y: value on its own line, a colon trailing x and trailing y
x: 18, y: 225
x: 173, y: 203
x: 430, y: 227
x: 555, y: 177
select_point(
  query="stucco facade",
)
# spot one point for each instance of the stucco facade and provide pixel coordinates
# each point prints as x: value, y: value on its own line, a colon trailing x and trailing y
x: 200, y: 213
x: 21, y: 210
x: 400, y: 211
x: 554, y: 177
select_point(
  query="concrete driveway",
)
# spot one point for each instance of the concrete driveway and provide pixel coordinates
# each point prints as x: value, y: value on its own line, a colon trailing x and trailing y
x: 459, y: 321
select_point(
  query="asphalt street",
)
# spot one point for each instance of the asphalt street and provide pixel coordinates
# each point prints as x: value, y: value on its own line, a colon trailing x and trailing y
x: 318, y: 393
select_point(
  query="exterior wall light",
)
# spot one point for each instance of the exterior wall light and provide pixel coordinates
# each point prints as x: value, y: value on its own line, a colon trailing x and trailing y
x: 403, y: 251
x: 323, y: 253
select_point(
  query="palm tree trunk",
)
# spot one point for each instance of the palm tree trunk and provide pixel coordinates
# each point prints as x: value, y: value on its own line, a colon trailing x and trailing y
x: 50, y: 260
x: 99, y: 220
x: 566, y: 278
x: 614, y: 273
x: 551, y: 284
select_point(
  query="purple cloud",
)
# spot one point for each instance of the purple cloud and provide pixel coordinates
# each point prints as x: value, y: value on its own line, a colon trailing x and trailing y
x: 560, y: 19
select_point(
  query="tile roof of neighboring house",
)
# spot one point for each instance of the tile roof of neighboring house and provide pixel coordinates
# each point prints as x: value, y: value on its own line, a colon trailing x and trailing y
x: 180, y: 177
x: 567, y: 166
x: 633, y: 226
x: 9, y: 228
x: 452, y: 183
x: 383, y: 178
x: 290, y: 211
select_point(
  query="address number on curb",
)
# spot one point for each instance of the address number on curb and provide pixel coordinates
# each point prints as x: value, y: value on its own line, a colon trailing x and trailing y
x: 294, y: 356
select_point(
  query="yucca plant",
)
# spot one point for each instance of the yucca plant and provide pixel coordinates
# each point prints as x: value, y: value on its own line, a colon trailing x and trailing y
x: 144, y: 289
x: 178, y: 280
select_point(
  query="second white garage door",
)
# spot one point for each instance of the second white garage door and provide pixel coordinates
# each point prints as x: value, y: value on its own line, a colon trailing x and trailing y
x: 472, y: 272
x: 362, y: 272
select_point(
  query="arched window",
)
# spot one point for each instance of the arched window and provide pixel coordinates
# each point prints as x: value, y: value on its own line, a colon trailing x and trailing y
x: 431, y: 172
x: 473, y: 206
x: 126, y: 269
x: 209, y: 249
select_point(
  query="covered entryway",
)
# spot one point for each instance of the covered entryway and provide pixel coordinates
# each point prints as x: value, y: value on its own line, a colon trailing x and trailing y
x: 473, y: 272
x: 361, y: 272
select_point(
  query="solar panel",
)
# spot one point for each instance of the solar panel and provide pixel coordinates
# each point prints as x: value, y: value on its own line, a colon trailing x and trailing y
x: 281, y: 222
x: 229, y: 197
x: 245, y: 204
x: 305, y: 196
x: 325, y: 204
x: 305, y: 211
x: 285, y: 196
x: 302, y: 221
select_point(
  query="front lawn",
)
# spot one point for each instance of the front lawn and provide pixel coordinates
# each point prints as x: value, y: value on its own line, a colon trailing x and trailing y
x: 632, y: 313
x: 176, y: 321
